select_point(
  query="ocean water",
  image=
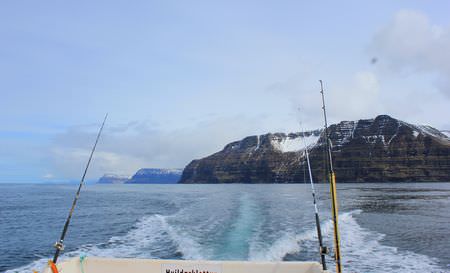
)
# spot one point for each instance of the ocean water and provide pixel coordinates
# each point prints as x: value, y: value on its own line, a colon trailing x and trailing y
x: 384, y: 227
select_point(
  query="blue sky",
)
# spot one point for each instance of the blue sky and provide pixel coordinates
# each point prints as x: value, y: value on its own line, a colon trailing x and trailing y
x: 180, y: 79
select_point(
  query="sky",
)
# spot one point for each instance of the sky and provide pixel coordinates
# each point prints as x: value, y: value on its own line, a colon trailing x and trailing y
x: 181, y: 79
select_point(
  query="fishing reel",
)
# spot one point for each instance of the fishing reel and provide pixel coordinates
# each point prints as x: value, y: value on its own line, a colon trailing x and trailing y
x: 59, y: 246
x: 324, y: 250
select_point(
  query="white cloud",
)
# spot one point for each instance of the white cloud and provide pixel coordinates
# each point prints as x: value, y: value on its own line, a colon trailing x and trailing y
x: 357, y: 96
x: 410, y: 43
x: 124, y: 149
x: 360, y: 98
x: 69, y: 163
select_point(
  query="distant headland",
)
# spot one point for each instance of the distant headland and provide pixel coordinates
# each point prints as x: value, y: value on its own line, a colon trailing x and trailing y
x: 144, y: 176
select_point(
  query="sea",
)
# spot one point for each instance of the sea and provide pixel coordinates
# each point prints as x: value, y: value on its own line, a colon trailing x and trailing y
x: 384, y: 227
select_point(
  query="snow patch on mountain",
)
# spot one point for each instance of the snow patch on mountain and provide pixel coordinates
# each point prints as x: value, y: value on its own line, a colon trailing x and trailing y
x: 431, y: 131
x: 427, y: 130
x: 152, y: 171
x: 345, y: 132
x: 258, y: 142
x: 294, y: 143
x: 446, y: 133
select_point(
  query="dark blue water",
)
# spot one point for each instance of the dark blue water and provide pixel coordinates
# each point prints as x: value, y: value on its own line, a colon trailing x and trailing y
x: 384, y: 227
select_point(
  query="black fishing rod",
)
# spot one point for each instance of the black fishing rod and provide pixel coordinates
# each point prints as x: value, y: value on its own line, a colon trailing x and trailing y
x: 59, y: 245
x: 323, y: 250
x: 332, y: 180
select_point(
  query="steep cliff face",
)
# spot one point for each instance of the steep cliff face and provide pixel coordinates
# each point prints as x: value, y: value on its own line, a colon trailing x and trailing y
x: 155, y: 176
x: 373, y: 150
x: 256, y: 159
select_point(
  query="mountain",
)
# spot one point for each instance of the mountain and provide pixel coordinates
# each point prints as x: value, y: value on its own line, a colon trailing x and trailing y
x: 155, y: 176
x: 383, y: 149
x: 112, y: 179
x: 446, y: 132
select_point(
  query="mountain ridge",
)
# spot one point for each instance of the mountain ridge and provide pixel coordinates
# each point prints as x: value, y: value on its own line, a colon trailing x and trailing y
x: 144, y: 176
x: 380, y: 149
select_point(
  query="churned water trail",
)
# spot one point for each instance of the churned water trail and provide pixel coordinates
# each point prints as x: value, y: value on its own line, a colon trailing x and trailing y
x: 234, y: 222
x: 234, y: 244
x: 362, y: 249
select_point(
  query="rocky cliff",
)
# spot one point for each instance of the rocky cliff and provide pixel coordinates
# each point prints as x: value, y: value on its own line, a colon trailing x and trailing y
x: 382, y: 149
x: 112, y: 179
x: 155, y: 176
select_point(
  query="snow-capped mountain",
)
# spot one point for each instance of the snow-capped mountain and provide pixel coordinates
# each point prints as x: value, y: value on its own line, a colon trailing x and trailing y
x: 155, y: 176
x: 372, y: 150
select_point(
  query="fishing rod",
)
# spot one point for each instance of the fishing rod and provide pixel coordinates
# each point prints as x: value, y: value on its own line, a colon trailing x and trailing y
x: 332, y: 180
x: 59, y: 245
x: 323, y: 250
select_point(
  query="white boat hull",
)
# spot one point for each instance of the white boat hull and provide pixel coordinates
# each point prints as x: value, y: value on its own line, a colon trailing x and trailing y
x: 106, y: 265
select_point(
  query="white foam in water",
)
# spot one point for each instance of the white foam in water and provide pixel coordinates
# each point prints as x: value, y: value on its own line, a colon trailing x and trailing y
x: 186, y: 244
x: 361, y: 250
x: 288, y: 243
x: 285, y: 245
x: 150, y: 233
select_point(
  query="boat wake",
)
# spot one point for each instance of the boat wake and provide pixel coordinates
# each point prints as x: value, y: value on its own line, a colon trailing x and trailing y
x: 233, y: 243
x: 361, y: 249
x: 151, y: 237
x: 159, y: 236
